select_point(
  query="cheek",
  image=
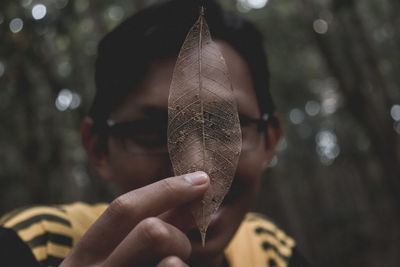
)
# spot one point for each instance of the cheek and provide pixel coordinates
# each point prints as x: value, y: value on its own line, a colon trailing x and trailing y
x: 134, y: 171
x: 250, y: 167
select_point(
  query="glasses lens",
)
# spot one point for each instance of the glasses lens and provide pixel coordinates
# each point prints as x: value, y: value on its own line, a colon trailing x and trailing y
x: 149, y: 136
x: 142, y: 137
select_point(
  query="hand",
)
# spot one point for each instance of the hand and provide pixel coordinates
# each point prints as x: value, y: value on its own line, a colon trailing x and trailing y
x: 140, y: 228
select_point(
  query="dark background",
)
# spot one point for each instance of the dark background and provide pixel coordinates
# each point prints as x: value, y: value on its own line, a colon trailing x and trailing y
x: 334, y: 184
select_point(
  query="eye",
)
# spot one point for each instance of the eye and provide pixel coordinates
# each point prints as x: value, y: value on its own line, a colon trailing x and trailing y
x: 154, y: 139
x: 146, y: 134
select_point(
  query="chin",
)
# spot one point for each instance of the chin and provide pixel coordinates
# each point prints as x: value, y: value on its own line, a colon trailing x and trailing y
x: 222, y: 228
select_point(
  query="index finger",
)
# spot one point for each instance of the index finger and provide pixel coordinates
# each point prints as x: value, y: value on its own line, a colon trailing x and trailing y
x: 129, y: 209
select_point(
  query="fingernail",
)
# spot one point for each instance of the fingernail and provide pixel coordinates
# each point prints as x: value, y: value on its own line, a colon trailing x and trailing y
x: 196, y: 178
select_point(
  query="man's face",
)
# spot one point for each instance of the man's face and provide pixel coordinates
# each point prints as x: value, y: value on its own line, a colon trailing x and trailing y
x: 148, y: 103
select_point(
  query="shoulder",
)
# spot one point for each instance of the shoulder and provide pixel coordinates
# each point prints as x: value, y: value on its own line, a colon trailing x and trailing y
x: 51, y: 231
x: 260, y: 242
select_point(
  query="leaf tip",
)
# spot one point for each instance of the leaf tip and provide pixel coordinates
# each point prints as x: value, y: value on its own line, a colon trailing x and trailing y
x: 202, y: 11
x: 203, y: 238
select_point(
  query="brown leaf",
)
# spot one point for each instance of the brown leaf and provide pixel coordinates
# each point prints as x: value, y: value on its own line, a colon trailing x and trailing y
x: 203, y: 122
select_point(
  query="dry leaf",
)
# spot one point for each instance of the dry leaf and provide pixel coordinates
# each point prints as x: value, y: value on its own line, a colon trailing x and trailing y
x: 203, y: 124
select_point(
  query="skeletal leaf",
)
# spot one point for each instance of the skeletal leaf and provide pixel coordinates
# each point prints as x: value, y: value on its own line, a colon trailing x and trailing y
x: 203, y: 124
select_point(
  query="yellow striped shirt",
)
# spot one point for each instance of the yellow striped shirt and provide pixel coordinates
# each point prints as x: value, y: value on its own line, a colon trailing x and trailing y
x: 51, y: 232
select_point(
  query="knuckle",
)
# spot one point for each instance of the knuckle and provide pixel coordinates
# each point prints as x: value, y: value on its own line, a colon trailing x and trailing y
x: 169, y: 186
x: 119, y: 206
x: 187, y: 249
x: 155, y: 231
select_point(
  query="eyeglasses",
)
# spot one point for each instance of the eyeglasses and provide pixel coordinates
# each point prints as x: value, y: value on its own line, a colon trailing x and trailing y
x: 149, y: 136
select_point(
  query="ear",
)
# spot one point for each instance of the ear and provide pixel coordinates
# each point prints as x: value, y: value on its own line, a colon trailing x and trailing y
x: 272, y: 135
x: 97, y: 156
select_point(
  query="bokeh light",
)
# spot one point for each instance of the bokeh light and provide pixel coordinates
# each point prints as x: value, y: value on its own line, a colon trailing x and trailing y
x: 312, y: 108
x: 329, y: 105
x: 274, y: 161
x: 1, y: 18
x: 396, y: 127
x: 327, y: 147
x: 66, y: 99
x: 115, y: 12
x: 320, y: 26
x: 257, y: 3
x: 16, y: 25
x: 247, y: 5
x: 75, y: 102
x: 2, y: 69
x: 39, y: 11
x: 395, y: 112
x: 296, y: 116
x: 330, y: 101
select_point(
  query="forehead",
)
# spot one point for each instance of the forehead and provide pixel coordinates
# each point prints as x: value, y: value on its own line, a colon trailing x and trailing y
x: 151, y: 95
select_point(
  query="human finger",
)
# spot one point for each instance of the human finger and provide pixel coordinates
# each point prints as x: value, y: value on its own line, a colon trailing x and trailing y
x: 180, y: 217
x: 149, y: 242
x: 172, y: 261
x: 125, y: 212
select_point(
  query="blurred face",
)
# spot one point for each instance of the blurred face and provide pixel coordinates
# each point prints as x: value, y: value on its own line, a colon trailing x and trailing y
x: 148, y: 103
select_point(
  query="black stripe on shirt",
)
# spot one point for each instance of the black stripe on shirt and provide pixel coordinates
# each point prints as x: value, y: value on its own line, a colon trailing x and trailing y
x: 267, y: 246
x: 19, y: 211
x: 51, y: 261
x: 38, y: 218
x: 58, y: 239
x: 262, y: 230
x: 13, y: 214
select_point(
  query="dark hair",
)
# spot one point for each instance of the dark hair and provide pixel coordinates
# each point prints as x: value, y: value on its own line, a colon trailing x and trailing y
x: 158, y: 32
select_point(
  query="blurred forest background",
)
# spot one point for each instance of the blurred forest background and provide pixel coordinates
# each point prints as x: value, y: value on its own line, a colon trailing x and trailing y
x: 334, y: 184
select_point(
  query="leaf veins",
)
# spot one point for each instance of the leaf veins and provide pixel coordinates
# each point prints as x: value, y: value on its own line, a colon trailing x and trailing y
x: 203, y: 123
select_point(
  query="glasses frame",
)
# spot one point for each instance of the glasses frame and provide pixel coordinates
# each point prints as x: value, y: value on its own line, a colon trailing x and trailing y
x: 115, y: 129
